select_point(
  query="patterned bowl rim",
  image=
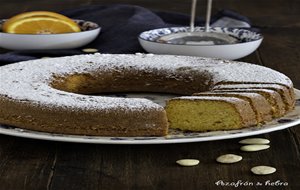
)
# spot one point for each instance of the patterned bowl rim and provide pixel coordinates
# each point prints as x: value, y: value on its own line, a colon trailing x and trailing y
x: 243, y: 35
x: 85, y: 26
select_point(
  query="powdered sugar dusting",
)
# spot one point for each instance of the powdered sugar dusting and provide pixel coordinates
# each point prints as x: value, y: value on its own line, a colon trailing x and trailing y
x: 30, y: 80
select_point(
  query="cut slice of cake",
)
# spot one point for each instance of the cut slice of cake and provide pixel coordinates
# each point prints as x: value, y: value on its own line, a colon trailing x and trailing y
x: 286, y: 93
x: 207, y: 113
x: 259, y: 104
x: 273, y: 97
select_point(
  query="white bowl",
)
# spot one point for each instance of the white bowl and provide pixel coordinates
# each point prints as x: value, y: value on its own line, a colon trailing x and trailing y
x: 89, y: 31
x: 249, y: 41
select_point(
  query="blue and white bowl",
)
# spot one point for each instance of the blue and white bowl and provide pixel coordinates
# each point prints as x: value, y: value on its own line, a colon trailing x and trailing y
x: 248, y: 42
x: 89, y: 31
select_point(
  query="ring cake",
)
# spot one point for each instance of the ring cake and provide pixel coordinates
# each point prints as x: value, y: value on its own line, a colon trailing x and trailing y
x: 56, y: 94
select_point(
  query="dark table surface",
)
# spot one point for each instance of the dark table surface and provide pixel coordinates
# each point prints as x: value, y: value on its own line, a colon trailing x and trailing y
x: 37, y: 164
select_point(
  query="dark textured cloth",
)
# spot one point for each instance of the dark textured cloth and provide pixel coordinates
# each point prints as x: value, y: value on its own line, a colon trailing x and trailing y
x: 120, y: 27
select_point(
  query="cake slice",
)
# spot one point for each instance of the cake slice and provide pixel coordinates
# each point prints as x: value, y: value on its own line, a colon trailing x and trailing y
x: 273, y: 97
x: 207, y: 113
x: 286, y: 93
x: 259, y: 104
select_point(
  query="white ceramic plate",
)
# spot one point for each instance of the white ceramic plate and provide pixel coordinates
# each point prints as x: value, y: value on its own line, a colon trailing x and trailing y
x: 174, y: 136
x: 249, y: 41
x: 89, y: 31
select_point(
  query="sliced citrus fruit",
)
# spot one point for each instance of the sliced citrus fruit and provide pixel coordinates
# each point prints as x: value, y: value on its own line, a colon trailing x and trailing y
x: 41, y: 25
x: 38, y: 14
x: 40, y: 22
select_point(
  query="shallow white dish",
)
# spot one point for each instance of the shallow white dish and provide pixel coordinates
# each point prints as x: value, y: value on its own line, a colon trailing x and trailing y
x: 174, y: 136
x: 249, y: 41
x: 89, y: 31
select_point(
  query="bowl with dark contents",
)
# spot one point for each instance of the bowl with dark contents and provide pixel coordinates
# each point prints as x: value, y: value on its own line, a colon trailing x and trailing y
x: 224, y: 43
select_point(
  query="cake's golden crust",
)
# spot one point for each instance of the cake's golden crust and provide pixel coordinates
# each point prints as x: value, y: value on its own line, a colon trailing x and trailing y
x: 68, y: 121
